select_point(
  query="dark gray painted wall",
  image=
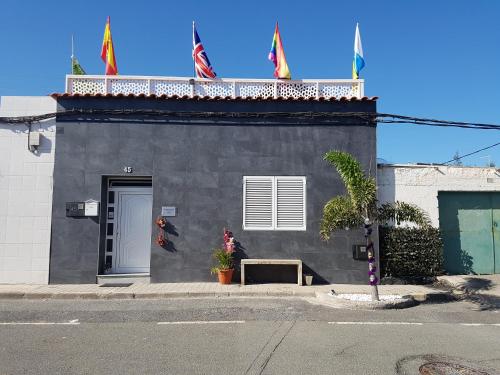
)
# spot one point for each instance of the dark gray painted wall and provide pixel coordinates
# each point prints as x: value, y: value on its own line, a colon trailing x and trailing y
x: 198, y: 166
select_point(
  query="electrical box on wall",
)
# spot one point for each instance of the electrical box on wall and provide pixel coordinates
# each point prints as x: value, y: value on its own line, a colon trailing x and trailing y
x: 75, y: 209
x: 33, y: 140
x: 359, y: 252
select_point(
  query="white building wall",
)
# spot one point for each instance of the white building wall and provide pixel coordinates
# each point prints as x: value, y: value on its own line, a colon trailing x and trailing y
x: 25, y: 192
x: 420, y: 184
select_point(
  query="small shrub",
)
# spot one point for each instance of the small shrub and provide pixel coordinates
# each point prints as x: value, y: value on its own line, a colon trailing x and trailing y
x: 410, y: 252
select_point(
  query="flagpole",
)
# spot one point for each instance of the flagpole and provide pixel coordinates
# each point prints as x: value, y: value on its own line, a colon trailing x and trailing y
x: 72, y: 54
x: 355, y: 42
x: 194, y: 63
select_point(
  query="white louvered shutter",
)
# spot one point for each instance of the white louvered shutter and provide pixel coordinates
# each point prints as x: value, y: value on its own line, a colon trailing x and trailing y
x: 258, y: 203
x: 290, y: 203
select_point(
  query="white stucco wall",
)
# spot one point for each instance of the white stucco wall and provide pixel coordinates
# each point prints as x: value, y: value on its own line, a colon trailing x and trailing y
x: 420, y: 184
x: 25, y: 192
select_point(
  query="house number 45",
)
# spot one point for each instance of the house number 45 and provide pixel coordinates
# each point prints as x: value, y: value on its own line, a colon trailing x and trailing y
x: 127, y: 169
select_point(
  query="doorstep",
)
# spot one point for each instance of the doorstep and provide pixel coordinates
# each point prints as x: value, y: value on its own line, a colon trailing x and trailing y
x: 124, y: 278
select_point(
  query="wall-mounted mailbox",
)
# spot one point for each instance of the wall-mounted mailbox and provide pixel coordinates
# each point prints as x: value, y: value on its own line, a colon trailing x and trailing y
x: 75, y: 209
x: 82, y: 209
x: 91, y: 208
x: 359, y: 252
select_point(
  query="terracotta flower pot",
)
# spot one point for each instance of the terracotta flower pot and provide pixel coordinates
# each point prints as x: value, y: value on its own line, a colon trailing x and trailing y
x: 225, y: 276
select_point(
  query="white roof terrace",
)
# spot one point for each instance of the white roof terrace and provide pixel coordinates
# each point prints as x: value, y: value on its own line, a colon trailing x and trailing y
x: 215, y: 88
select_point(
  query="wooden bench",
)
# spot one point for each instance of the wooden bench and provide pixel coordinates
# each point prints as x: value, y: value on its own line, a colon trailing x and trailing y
x: 287, y: 262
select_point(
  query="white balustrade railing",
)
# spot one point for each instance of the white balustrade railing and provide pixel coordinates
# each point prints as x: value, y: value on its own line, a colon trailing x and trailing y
x: 227, y: 87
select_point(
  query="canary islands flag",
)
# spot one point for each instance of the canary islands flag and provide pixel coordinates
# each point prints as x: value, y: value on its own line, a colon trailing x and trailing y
x: 277, y: 56
x: 108, y: 52
x: 76, y: 68
x: 359, y: 61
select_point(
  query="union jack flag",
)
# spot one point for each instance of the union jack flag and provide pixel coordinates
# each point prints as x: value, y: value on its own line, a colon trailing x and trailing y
x: 202, y: 65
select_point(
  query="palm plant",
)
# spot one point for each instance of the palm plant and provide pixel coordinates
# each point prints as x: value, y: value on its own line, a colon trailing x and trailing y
x: 359, y: 208
x: 399, y: 212
x: 224, y: 260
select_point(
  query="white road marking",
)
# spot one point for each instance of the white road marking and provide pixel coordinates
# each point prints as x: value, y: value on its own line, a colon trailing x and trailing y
x: 377, y: 323
x: 204, y: 322
x: 70, y: 323
x: 414, y: 323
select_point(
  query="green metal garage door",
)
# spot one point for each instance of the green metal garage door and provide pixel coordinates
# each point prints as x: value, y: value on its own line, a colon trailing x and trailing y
x: 470, y: 226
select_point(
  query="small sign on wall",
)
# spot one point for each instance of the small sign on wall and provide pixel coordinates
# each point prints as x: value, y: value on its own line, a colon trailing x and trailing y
x: 168, y: 211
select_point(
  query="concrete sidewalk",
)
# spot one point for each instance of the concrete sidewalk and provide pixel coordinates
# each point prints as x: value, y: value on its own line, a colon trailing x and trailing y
x: 172, y: 290
x: 473, y: 284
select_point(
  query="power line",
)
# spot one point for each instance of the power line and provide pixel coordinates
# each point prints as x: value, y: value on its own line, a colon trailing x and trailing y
x: 27, y: 119
x: 369, y: 118
x: 472, y: 153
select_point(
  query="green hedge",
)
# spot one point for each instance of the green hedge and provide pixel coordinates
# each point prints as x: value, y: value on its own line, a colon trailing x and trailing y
x: 410, y: 252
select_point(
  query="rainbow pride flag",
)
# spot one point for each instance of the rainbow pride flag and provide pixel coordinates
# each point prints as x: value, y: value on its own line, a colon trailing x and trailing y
x: 277, y: 56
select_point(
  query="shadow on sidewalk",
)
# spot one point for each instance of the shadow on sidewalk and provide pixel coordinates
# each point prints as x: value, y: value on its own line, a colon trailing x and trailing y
x: 474, y: 290
x: 476, y: 284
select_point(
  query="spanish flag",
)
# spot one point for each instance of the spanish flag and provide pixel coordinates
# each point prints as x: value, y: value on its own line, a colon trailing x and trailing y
x: 108, y: 52
x: 277, y: 56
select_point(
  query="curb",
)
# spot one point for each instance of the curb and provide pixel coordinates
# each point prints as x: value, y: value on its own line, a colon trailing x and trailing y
x: 11, y: 295
x: 148, y: 295
x: 418, y: 297
x: 436, y: 297
x: 326, y: 299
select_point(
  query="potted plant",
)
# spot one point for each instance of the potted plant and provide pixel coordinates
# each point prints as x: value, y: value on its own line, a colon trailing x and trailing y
x: 224, y: 268
x: 309, y: 279
x: 161, y: 222
x: 224, y: 257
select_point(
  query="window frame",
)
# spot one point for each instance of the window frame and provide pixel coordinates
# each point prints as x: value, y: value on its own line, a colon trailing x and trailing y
x: 274, y: 205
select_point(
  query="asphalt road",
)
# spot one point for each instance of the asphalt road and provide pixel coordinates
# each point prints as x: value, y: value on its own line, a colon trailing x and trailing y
x: 240, y: 336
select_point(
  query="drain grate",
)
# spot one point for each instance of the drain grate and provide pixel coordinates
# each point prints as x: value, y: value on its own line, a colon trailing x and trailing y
x: 434, y: 364
x: 448, y: 368
x: 115, y: 285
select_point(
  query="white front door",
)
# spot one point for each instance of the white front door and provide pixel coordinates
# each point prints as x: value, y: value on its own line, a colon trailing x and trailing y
x: 133, y: 230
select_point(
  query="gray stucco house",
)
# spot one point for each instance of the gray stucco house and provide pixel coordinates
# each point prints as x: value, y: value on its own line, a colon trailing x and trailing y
x: 205, y: 160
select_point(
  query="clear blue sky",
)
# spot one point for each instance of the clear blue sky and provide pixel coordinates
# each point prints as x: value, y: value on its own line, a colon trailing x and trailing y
x: 424, y: 58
